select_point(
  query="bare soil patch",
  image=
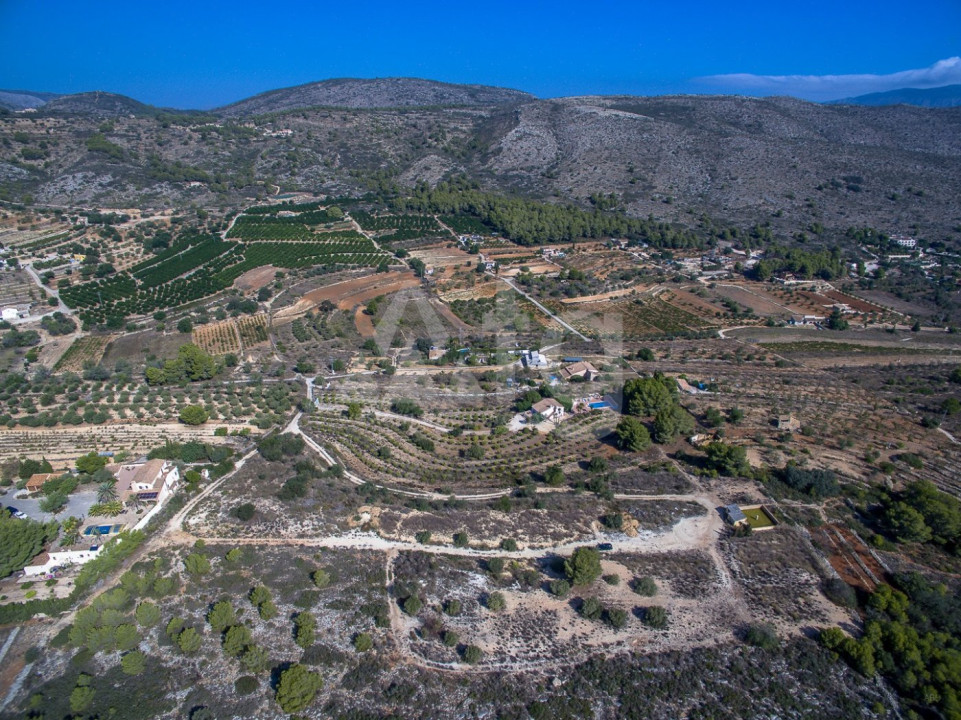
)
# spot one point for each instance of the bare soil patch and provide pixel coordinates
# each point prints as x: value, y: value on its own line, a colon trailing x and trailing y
x: 256, y: 278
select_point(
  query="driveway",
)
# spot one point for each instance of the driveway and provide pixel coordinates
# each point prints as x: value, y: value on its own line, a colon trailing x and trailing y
x: 78, y: 505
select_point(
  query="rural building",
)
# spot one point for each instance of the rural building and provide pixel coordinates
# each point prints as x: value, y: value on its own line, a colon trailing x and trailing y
x: 436, y: 353
x: 10, y: 314
x: 904, y: 241
x: 154, y: 481
x: 580, y: 370
x: 533, y: 359
x: 788, y: 422
x: 35, y: 483
x: 735, y: 516
x: 549, y: 409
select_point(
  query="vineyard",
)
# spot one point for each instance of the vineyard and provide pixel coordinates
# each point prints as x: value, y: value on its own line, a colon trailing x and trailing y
x: 217, y: 338
x: 252, y: 329
x: 83, y: 350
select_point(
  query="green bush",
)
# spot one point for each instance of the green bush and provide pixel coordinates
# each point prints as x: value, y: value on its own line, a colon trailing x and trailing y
x: 246, y: 684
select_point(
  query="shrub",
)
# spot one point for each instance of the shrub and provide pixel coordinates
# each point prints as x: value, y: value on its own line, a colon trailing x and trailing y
x: 453, y: 607
x: 840, y: 593
x: 509, y: 544
x: 423, y: 537
x: 591, y: 608
x: 363, y: 642
x: 461, y: 539
x: 194, y: 415
x: 320, y: 578
x: 473, y: 654
x: 560, y: 588
x: 616, y: 618
x: 197, y: 564
x: 645, y: 586
x: 189, y: 641
x: 655, y: 617
x: 762, y: 635
x: 245, y: 511
x: 496, y: 602
x: 412, y: 605
x: 451, y: 638
x: 612, y: 579
x: 246, y: 684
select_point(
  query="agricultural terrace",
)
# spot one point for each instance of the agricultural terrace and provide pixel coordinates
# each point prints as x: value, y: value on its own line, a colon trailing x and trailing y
x: 196, y: 266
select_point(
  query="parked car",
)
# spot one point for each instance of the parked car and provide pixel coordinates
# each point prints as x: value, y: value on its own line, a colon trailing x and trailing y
x: 14, y: 512
x: 605, y: 546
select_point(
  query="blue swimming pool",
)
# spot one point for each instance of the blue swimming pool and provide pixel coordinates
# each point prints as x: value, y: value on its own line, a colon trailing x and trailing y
x: 600, y: 405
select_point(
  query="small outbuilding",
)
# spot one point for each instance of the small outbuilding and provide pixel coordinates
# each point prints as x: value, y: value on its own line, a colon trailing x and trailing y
x: 788, y: 422
x: 735, y: 516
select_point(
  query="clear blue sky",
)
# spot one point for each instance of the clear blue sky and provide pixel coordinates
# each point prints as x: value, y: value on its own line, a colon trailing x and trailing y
x: 200, y: 55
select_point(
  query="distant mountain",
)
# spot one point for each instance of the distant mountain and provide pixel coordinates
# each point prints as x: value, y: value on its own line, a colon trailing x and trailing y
x: 24, y: 99
x: 940, y: 97
x: 376, y: 93
x: 98, y: 104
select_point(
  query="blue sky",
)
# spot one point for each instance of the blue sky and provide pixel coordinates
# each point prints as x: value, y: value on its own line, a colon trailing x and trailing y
x: 200, y: 55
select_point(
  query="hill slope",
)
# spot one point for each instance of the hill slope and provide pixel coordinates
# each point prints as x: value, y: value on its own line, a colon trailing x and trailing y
x: 940, y: 97
x: 98, y: 104
x: 24, y: 99
x: 376, y: 93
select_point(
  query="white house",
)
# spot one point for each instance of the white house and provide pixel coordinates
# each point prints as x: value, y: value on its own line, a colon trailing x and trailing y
x: 153, y: 481
x: 533, y: 359
x: 549, y: 409
x: 9, y: 314
x: 46, y: 562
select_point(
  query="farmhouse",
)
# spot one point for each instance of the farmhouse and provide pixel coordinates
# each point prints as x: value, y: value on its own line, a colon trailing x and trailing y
x: 436, y: 353
x: 788, y: 422
x: 533, y: 359
x: 154, y: 481
x: 580, y: 370
x: 549, y: 409
x: 35, y: 483
x: 10, y: 314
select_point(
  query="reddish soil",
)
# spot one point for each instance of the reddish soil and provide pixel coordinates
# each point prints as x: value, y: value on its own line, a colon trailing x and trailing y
x: 256, y: 278
x: 854, y: 303
x: 350, y: 293
x: 850, y: 557
x: 364, y: 322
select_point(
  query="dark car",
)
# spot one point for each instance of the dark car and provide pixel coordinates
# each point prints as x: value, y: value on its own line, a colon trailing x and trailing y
x: 605, y: 546
x: 14, y: 512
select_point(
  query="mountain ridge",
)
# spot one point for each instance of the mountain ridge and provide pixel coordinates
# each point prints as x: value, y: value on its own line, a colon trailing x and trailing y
x: 940, y: 97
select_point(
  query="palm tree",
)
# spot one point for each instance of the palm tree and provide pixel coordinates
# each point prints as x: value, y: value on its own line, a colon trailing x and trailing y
x: 106, y: 492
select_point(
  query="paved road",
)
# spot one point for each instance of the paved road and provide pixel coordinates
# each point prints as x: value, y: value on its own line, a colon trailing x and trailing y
x: 78, y: 505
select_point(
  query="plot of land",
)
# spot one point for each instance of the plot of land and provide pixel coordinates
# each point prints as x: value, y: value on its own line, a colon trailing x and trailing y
x: 83, y: 350
x: 256, y: 278
x: 350, y: 293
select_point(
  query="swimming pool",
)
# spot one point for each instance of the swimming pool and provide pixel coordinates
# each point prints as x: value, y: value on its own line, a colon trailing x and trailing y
x: 602, y: 405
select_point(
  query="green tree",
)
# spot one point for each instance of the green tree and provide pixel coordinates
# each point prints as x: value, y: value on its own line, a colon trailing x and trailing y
x: 189, y: 641
x: 255, y: 659
x: 106, y: 492
x: 267, y: 610
x: 221, y: 616
x: 297, y: 688
x: 670, y: 422
x: 473, y: 654
x: 126, y: 637
x: 632, y: 435
x: 305, y: 626
x: 320, y: 578
x: 648, y: 396
x: 53, y: 503
x: 81, y: 698
x: 907, y: 524
x: 363, y: 642
x: 133, y: 663
x: 90, y: 463
x: 583, y: 566
x: 954, y: 377
x: 184, y: 325
x: 147, y: 614
x: 461, y: 539
x: 560, y: 588
x: 236, y: 639
x: 197, y: 564
x: 259, y: 595
x: 194, y: 415
x: 354, y: 410
x: 762, y: 635
x: 726, y: 459
x: 21, y: 541
x: 591, y: 608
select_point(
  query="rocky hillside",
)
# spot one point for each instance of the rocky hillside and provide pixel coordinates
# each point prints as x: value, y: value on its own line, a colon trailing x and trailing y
x: 97, y: 104
x: 793, y: 164
x: 24, y: 99
x: 377, y: 93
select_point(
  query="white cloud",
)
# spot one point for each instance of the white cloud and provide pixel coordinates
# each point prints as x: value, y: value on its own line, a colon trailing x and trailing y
x: 832, y: 87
